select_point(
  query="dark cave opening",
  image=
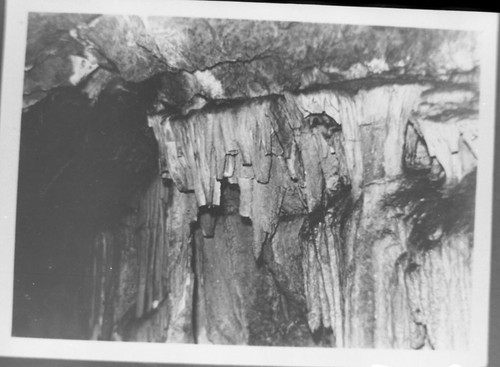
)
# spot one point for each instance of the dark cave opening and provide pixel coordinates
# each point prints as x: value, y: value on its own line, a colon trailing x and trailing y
x: 80, y: 163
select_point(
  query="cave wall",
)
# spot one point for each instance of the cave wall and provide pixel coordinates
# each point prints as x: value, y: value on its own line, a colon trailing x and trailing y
x: 317, y: 249
x: 79, y: 165
x: 319, y: 196
x: 151, y: 281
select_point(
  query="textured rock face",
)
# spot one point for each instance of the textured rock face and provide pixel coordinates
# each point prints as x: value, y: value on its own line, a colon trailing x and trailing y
x: 306, y: 196
x: 147, y: 292
x: 334, y: 227
x: 235, y: 58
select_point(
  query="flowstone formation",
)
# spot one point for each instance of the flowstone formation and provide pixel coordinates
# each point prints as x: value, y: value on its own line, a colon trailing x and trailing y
x: 317, y: 194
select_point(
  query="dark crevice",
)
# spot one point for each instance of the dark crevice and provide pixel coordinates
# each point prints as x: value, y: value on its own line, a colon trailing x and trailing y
x: 261, y: 56
x: 430, y: 207
x: 79, y: 167
x: 195, y: 270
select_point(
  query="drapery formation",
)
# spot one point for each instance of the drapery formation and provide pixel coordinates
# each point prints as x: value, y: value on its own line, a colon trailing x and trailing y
x: 307, y: 201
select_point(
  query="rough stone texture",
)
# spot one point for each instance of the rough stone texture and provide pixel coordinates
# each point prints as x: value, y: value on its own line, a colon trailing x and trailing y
x: 355, y: 290
x: 275, y: 223
x: 375, y: 241
x: 227, y: 278
x: 447, y: 118
x: 236, y: 143
x: 439, y: 291
x: 99, y: 81
x: 278, y: 313
x: 145, y: 289
x: 373, y: 131
x: 322, y: 265
x: 239, y: 58
x: 54, y: 57
x: 124, y: 41
x: 45, y: 28
x: 286, y: 262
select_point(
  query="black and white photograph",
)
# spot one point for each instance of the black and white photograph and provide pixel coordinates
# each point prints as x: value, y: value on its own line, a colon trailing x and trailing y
x: 269, y: 182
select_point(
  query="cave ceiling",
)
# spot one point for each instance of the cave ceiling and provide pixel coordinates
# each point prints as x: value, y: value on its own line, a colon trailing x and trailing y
x: 200, y: 59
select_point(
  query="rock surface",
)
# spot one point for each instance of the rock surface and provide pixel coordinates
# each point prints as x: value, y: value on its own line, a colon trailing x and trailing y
x: 238, y: 58
x: 318, y: 195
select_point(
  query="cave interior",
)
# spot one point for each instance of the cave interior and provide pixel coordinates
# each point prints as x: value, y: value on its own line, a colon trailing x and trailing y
x: 191, y: 180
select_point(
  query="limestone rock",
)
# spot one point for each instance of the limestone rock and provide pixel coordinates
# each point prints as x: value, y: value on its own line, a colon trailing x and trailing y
x: 245, y: 58
x: 317, y: 194
x: 125, y: 42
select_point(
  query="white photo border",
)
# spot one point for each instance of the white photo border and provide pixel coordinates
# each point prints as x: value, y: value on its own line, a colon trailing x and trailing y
x: 10, y: 117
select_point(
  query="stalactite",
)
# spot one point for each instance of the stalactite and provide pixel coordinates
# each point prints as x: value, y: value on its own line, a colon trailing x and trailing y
x: 243, y: 135
x: 236, y: 142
